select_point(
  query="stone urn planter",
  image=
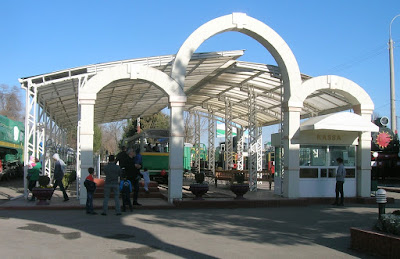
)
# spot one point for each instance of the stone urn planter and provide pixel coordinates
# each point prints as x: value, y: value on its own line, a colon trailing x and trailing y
x: 199, y: 188
x: 239, y: 188
x: 42, y: 194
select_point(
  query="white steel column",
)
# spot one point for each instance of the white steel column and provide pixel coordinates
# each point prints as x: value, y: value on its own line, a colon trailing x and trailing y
x: 86, y: 102
x: 259, y: 153
x: 228, y: 135
x: 240, y: 147
x: 175, y: 175
x: 30, y: 128
x: 211, y: 140
x: 291, y: 123
x: 253, y: 137
x: 363, y: 172
x: 41, y: 133
x: 196, y: 120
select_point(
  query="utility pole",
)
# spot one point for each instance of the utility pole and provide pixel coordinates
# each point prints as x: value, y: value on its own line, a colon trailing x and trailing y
x: 392, y: 85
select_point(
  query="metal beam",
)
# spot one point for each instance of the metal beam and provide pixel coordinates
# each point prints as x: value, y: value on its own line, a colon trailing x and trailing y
x: 228, y: 134
x: 211, y: 140
x: 253, y: 138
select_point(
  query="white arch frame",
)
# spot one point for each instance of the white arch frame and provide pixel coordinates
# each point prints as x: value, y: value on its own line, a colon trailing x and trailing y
x: 362, y: 105
x: 350, y: 90
x: 251, y: 27
x: 177, y: 100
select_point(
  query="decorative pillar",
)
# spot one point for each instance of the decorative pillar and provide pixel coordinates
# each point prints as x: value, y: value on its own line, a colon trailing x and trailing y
x: 291, y: 167
x: 176, y: 142
x: 363, y: 173
x: 86, y: 133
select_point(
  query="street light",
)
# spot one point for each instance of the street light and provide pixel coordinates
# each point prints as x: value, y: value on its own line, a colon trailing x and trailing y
x: 392, y: 94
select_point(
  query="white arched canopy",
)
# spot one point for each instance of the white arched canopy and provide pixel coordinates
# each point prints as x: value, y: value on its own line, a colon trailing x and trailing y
x: 197, y: 81
x: 247, y: 25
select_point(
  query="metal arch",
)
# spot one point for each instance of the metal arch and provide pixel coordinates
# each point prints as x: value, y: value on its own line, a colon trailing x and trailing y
x: 228, y: 134
x: 211, y: 140
x: 253, y: 136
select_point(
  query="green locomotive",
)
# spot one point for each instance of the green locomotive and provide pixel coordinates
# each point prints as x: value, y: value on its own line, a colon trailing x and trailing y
x: 12, y: 134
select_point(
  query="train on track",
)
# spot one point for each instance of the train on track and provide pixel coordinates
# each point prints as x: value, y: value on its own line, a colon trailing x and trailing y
x: 385, y: 161
x: 12, y: 134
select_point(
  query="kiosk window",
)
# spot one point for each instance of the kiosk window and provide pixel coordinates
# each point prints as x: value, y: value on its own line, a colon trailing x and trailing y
x: 347, y: 153
x: 350, y: 172
x: 312, y: 155
x: 308, y: 172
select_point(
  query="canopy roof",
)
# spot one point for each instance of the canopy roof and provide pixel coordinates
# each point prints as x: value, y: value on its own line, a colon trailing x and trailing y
x: 344, y: 121
x: 209, y: 78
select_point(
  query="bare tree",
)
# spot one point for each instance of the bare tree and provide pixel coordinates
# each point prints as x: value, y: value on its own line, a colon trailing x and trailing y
x: 10, y: 102
x: 189, y: 126
x: 112, y: 134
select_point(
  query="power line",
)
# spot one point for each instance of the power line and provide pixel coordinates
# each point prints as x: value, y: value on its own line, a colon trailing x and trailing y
x: 361, y: 58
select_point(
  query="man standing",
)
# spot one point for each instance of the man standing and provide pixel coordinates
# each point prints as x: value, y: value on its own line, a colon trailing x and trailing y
x: 122, y: 158
x: 113, y: 172
x: 59, y: 175
x: 340, y: 175
x: 132, y: 170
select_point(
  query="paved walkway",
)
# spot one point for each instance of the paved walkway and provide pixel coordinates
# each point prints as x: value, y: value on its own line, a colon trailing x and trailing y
x: 316, y: 231
x: 215, y: 197
x: 156, y: 230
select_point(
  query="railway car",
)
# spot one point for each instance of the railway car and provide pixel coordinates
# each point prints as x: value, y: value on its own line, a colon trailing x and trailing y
x: 385, y: 160
x: 12, y: 135
x: 157, y: 162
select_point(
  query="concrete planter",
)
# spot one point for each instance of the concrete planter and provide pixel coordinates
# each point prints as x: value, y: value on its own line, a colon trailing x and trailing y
x: 240, y: 189
x: 42, y: 194
x: 198, y: 189
x: 376, y: 243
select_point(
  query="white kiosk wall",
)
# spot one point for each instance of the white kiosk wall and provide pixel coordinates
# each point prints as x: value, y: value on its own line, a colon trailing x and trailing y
x: 318, y: 152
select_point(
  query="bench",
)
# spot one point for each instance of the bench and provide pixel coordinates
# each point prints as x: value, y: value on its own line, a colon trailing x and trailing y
x: 229, y: 175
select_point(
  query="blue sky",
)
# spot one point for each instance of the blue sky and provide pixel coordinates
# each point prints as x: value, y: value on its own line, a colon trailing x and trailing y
x: 346, y: 38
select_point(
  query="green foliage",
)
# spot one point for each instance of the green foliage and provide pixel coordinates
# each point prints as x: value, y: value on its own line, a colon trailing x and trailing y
x: 44, y: 181
x: 159, y: 120
x: 389, y: 223
x: 239, y: 177
x: 96, y: 139
x: 69, y: 178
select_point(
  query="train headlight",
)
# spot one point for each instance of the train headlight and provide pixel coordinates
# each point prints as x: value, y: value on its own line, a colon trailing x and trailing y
x: 16, y: 133
x: 375, y: 154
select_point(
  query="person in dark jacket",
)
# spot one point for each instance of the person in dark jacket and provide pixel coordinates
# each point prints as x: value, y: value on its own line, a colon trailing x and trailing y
x: 34, y: 173
x: 340, y: 176
x: 132, y: 170
x: 113, y: 172
x: 59, y: 174
x: 122, y: 158
x: 90, y: 189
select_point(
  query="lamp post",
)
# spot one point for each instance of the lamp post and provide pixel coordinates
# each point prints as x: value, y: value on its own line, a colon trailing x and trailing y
x: 392, y: 94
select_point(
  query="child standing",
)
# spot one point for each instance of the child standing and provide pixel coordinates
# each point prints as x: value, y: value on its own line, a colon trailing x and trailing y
x: 146, y: 179
x: 126, y: 188
x: 90, y: 188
